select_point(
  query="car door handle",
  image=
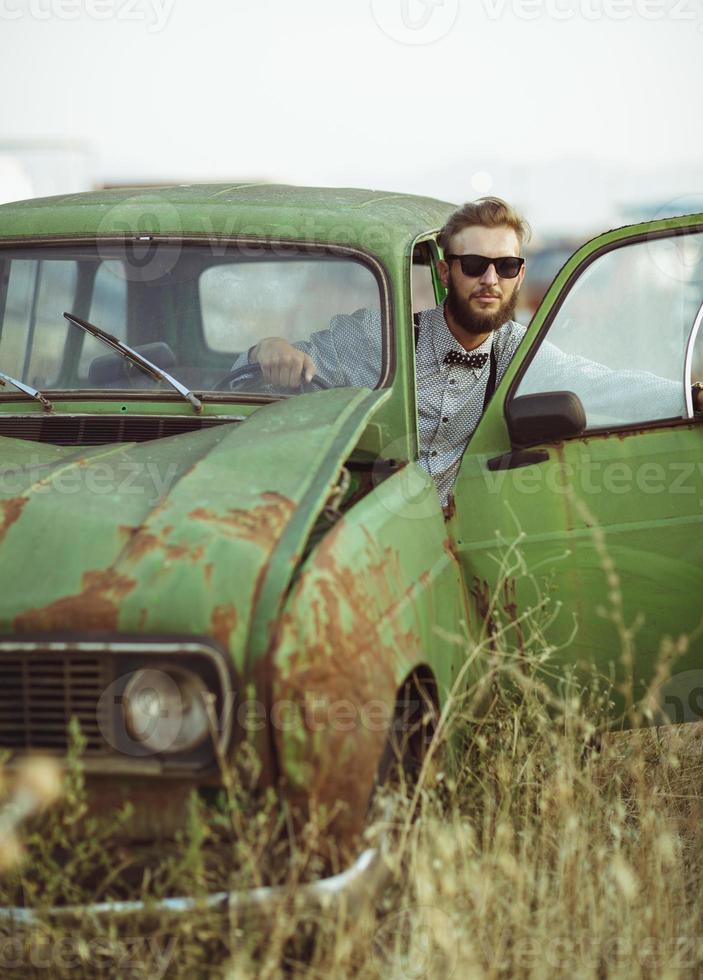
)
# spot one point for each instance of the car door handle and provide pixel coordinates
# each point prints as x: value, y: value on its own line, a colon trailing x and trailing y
x: 517, y: 458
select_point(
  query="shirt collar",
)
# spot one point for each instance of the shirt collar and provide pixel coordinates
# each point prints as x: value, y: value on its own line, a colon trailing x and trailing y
x: 443, y: 341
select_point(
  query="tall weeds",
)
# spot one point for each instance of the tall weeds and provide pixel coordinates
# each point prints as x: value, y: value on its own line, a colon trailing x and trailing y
x: 530, y: 847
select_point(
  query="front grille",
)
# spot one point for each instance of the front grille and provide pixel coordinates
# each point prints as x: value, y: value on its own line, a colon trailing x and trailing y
x: 46, y: 682
x: 39, y: 695
x: 99, y: 430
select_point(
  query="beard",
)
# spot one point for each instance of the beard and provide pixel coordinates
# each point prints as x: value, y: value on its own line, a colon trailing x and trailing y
x: 478, y: 323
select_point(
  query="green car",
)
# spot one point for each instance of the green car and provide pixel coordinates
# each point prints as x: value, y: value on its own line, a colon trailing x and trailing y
x: 192, y: 557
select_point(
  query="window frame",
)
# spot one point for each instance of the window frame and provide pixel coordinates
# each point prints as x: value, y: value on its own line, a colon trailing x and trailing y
x: 688, y: 361
x: 430, y: 243
x: 223, y: 261
x: 543, y: 332
x: 219, y: 245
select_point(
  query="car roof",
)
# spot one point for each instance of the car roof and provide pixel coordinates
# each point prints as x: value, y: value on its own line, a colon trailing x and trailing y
x: 278, y: 211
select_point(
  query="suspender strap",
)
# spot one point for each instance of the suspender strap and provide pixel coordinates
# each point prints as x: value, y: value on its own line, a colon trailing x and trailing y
x: 416, y: 325
x: 491, y: 386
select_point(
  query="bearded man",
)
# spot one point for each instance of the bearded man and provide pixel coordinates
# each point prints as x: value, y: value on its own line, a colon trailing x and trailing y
x: 463, y: 346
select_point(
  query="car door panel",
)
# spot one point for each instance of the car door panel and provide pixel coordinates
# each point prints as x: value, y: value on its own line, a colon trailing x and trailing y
x: 605, y: 533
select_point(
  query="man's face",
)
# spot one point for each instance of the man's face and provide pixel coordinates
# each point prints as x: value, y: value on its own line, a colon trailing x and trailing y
x: 480, y: 304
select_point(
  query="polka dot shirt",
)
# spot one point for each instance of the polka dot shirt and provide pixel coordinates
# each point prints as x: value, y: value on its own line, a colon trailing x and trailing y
x: 450, y: 397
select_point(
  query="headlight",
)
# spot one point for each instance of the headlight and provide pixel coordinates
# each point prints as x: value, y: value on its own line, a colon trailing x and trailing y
x: 165, y: 710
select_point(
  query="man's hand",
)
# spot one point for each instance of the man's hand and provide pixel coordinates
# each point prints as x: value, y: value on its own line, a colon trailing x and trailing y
x: 282, y: 364
x: 697, y: 397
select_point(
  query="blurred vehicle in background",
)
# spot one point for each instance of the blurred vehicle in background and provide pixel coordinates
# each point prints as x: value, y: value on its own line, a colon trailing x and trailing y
x: 543, y: 264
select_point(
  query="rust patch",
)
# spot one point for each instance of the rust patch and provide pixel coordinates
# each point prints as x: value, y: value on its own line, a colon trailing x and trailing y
x: 510, y: 606
x: 96, y: 607
x: 208, y: 573
x: 175, y: 552
x: 449, y: 545
x: 10, y: 511
x: 224, y: 623
x: 342, y: 676
x: 483, y: 595
x: 568, y: 484
x: 262, y: 525
x: 450, y: 509
x: 126, y: 530
x: 142, y: 542
x: 149, y: 818
x: 481, y: 591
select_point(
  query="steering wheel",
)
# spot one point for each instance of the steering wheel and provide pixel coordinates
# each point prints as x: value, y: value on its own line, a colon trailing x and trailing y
x: 252, y: 376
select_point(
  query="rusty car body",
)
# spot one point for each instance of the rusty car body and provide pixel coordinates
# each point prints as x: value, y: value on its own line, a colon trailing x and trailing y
x: 275, y: 565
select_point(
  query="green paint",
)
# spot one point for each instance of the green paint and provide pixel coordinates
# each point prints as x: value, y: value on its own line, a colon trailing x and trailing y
x: 221, y: 532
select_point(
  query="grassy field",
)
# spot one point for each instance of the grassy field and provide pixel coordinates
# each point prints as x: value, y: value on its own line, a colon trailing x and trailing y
x: 528, y: 849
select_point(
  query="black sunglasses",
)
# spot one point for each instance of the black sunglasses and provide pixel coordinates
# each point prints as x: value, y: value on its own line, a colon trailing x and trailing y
x: 507, y: 267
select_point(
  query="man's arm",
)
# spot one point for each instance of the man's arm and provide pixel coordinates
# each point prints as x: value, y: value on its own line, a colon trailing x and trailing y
x: 346, y: 352
x: 619, y: 395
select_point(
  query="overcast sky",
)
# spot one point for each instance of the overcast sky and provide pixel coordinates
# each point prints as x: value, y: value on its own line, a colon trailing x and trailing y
x: 569, y: 107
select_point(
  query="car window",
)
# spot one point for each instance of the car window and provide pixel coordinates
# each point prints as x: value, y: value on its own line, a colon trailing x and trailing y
x: 697, y: 356
x: 195, y: 310
x: 619, y: 338
x: 242, y: 302
x: 327, y: 307
x: 33, y: 333
x: 108, y: 309
x: 422, y: 282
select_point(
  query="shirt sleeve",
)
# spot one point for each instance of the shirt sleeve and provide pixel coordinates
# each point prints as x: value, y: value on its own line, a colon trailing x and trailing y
x: 348, y: 352
x: 609, y: 396
x: 241, y: 360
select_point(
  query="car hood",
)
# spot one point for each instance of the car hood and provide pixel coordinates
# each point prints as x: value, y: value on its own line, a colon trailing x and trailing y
x: 196, y: 534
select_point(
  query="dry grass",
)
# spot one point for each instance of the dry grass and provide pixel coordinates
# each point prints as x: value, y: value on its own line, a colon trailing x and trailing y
x: 532, y: 853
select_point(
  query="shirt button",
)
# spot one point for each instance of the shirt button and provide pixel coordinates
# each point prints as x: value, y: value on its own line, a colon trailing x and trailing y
x: 452, y: 381
x: 445, y: 418
x: 433, y: 453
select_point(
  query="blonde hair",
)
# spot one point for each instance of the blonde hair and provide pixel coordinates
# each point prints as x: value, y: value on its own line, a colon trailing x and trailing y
x: 489, y: 212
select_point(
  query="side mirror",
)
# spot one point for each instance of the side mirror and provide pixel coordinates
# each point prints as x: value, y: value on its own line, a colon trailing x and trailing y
x: 549, y: 416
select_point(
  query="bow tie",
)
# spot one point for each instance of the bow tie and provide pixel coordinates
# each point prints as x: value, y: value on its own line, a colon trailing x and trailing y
x: 465, y: 360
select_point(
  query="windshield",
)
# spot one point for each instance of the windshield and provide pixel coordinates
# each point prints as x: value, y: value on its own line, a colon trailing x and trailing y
x: 194, y: 311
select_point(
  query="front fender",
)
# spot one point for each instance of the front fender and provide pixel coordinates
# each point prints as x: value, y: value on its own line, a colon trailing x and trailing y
x: 377, y: 599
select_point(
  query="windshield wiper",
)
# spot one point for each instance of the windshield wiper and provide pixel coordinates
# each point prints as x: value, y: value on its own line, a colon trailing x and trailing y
x: 148, y: 367
x: 6, y: 379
